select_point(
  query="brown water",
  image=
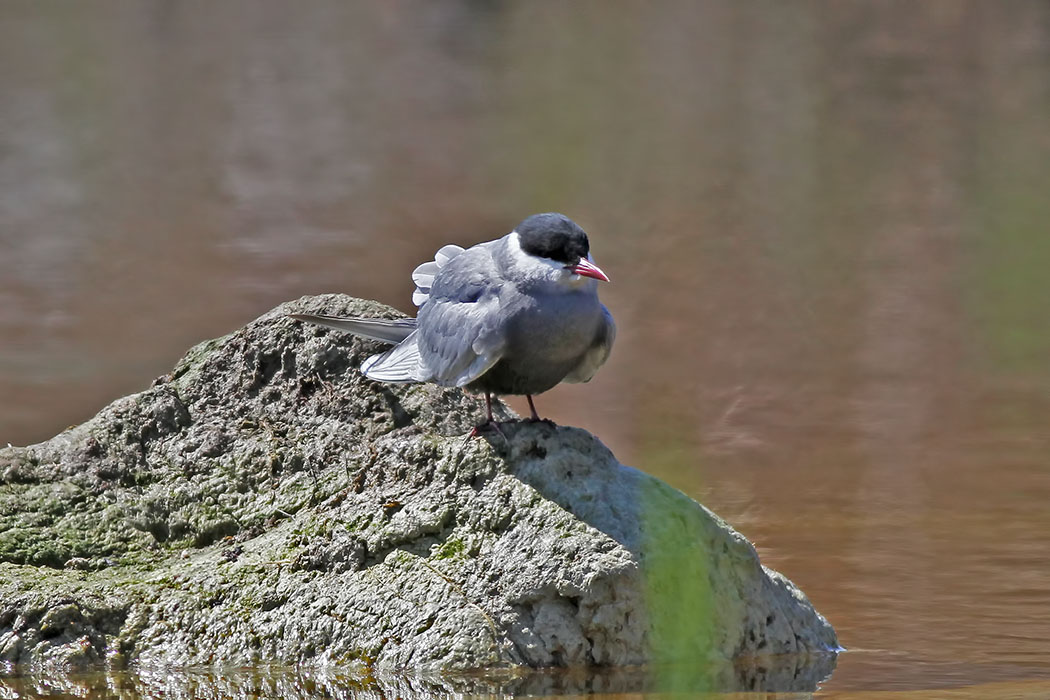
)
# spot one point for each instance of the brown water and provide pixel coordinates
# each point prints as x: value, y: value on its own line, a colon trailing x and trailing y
x: 826, y: 225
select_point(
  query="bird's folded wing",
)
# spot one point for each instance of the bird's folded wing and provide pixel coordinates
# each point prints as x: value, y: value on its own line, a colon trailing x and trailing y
x: 459, y: 341
x: 386, y: 330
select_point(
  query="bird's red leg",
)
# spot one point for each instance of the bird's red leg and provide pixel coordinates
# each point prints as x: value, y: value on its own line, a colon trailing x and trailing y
x: 532, y: 407
x: 489, y: 424
x: 536, y: 416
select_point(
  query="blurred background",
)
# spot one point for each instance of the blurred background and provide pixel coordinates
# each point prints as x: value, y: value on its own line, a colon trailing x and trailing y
x: 826, y: 224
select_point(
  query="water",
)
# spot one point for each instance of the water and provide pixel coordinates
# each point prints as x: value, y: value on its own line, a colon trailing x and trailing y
x: 825, y: 224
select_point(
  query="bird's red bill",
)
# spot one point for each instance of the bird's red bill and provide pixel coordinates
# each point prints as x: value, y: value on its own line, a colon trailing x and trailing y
x: 586, y: 268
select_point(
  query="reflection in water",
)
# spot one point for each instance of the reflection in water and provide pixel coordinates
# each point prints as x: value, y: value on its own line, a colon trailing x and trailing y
x: 292, y: 684
x: 796, y: 676
x: 825, y: 222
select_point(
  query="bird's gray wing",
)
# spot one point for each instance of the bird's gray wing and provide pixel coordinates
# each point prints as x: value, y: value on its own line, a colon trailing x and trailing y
x: 386, y: 330
x: 597, y: 354
x: 460, y: 336
x: 399, y: 364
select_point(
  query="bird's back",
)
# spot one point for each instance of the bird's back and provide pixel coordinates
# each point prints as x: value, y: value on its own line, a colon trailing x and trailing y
x: 540, y: 335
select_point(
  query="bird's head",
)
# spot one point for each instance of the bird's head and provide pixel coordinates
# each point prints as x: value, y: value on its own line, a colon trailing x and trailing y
x: 560, y: 246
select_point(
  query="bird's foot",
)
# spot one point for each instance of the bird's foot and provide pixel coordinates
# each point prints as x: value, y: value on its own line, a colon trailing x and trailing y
x: 488, y: 427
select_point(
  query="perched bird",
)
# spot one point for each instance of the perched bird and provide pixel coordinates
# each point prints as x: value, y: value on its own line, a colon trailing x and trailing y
x: 516, y: 315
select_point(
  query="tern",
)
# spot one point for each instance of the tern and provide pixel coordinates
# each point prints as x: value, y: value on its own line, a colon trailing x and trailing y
x: 516, y: 315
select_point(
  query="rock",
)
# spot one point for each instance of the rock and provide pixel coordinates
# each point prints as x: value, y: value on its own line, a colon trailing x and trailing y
x: 264, y: 503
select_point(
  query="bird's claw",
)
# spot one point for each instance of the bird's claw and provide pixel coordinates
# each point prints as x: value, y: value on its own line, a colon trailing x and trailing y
x: 489, y: 426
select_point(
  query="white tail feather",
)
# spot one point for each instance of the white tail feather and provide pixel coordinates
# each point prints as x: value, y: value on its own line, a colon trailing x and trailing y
x: 447, y: 253
x: 424, y: 275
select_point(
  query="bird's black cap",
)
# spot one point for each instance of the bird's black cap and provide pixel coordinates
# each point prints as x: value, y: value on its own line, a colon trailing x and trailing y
x: 553, y: 236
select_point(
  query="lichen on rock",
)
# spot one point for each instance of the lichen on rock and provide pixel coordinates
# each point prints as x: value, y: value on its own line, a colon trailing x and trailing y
x: 266, y: 504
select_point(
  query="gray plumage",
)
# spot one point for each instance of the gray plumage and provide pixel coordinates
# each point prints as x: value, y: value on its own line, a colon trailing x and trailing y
x: 516, y: 315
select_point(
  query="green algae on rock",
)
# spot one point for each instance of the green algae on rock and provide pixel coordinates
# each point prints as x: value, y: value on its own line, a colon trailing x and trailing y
x: 266, y: 504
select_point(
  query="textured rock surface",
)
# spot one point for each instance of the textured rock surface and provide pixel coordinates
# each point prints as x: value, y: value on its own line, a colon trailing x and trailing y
x: 265, y: 503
